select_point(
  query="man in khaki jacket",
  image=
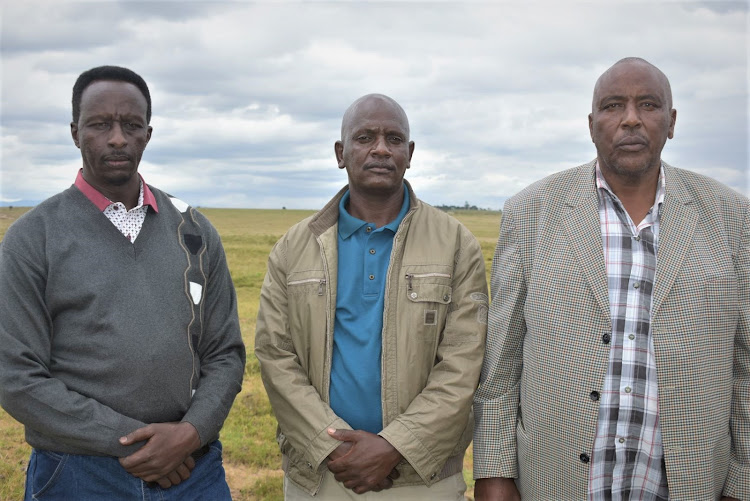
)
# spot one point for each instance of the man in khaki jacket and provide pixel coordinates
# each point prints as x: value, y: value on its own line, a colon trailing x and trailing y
x: 618, y: 352
x: 371, y: 329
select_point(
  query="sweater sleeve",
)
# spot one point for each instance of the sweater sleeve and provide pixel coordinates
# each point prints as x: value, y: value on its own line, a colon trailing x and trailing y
x: 221, y: 349
x: 28, y: 391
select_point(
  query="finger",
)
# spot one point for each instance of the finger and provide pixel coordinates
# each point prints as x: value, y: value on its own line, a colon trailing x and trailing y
x: 183, y: 472
x: 394, y: 474
x: 189, y: 462
x: 343, y: 435
x: 138, y: 435
x: 174, y: 477
x: 164, y: 483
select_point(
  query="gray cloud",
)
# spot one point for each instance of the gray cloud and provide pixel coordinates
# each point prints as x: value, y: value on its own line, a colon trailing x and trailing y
x: 248, y: 96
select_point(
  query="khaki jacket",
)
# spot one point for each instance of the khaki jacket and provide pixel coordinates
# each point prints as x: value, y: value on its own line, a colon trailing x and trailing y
x: 434, y: 328
x: 546, y: 350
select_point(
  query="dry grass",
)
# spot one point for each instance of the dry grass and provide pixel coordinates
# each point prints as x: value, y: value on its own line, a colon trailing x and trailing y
x: 251, y: 456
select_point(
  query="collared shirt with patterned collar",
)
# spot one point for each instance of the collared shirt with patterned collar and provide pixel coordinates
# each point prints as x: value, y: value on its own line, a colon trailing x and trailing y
x: 129, y: 222
x: 628, y: 456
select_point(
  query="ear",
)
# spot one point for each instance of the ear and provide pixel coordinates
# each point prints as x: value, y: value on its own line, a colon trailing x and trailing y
x: 411, y: 152
x: 672, y: 121
x: 74, y: 134
x: 591, y: 126
x: 338, y: 148
x: 149, y: 130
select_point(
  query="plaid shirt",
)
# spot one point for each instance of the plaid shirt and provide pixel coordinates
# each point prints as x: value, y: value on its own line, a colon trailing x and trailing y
x: 628, y: 458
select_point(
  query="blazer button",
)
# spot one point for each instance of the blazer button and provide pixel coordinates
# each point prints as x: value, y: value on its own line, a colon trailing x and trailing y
x: 606, y: 338
x: 594, y: 395
x: 584, y: 458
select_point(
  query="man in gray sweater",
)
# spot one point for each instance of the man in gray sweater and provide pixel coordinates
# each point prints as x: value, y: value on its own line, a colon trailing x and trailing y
x: 120, y: 346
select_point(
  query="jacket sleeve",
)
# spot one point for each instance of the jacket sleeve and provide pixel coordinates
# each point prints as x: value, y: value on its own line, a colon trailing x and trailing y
x: 28, y: 392
x: 430, y: 428
x: 738, y: 481
x: 496, y: 401
x: 221, y: 349
x: 302, y: 415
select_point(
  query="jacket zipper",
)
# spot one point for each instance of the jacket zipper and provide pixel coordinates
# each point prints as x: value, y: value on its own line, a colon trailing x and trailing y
x: 321, y: 281
x: 409, y: 277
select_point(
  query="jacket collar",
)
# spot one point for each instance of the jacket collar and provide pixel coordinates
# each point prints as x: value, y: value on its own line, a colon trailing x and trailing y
x: 329, y: 214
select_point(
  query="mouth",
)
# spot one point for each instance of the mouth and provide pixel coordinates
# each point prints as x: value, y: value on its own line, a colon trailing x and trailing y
x: 632, y: 143
x: 379, y: 168
x: 117, y: 160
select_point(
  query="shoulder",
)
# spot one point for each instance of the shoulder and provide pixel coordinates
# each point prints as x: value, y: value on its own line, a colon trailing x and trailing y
x: 554, y: 188
x: 51, y: 213
x: 703, y: 188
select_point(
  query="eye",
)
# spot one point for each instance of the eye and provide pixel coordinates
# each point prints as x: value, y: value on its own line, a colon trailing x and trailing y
x: 131, y: 126
x: 100, y: 125
x: 362, y: 138
x: 611, y: 106
x: 395, y: 139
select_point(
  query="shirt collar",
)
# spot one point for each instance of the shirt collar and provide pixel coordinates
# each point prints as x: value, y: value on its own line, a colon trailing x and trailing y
x: 349, y: 224
x: 601, y: 184
x: 103, y: 202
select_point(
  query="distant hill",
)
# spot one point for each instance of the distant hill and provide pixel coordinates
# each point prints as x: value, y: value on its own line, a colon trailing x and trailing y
x: 20, y: 203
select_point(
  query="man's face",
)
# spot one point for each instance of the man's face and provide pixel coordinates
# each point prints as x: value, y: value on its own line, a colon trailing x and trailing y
x: 375, y: 147
x: 631, y: 119
x: 111, y: 132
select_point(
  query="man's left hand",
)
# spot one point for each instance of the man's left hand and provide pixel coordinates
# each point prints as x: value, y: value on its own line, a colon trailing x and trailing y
x: 369, y: 461
x: 166, y: 448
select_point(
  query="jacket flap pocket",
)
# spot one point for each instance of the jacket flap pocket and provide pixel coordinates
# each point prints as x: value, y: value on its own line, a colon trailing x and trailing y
x: 433, y: 293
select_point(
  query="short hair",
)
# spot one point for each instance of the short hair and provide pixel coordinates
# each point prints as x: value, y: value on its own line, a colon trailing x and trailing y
x: 382, y: 97
x: 115, y: 73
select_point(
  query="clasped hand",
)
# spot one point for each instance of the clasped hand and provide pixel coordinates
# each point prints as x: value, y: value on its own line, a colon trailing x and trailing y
x: 165, y: 457
x: 364, y: 461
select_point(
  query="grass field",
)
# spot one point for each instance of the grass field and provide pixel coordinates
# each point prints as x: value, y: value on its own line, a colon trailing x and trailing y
x: 251, y: 456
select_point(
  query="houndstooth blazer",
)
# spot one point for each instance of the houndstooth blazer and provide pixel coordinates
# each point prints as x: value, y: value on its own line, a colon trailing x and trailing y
x: 547, y: 350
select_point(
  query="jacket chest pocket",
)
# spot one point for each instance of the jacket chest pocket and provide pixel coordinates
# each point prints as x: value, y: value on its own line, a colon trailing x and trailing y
x: 307, y: 308
x: 429, y: 294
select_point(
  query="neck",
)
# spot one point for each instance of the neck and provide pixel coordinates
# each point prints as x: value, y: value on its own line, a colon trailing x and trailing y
x: 376, y: 208
x: 637, y: 193
x: 127, y: 193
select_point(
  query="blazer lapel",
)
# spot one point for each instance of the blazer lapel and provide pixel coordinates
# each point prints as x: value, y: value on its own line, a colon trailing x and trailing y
x: 676, y: 228
x: 581, y: 221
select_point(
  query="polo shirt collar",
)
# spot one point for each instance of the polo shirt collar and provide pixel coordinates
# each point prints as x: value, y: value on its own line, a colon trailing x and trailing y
x: 103, y: 202
x: 349, y: 224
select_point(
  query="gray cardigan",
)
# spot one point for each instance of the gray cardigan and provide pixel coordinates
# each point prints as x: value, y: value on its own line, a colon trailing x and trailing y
x: 99, y: 336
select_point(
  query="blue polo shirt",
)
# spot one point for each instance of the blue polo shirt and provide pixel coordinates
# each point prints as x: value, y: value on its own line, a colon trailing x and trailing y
x: 363, y: 256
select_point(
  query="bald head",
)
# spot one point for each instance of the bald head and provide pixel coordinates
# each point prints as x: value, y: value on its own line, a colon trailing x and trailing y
x: 622, y: 65
x: 369, y: 100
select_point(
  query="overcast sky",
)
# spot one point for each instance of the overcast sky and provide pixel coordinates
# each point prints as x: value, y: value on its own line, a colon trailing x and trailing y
x: 248, y: 96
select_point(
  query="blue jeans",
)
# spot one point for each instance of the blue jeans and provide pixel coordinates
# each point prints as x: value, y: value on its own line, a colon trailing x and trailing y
x: 67, y: 477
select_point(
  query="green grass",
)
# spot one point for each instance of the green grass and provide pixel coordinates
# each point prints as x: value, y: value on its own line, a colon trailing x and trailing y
x: 251, y: 455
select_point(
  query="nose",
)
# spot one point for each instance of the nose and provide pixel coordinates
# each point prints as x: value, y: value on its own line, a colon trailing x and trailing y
x: 117, y: 137
x: 380, y: 147
x: 631, y: 117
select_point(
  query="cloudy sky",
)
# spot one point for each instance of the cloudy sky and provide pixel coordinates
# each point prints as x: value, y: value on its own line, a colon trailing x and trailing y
x: 248, y: 96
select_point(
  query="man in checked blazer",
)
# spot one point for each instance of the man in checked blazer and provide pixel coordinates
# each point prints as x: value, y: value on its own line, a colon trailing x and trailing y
x: 618, y: 351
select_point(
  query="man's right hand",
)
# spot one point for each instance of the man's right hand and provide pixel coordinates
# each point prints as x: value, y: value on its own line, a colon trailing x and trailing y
x: 345, y: 447
x: 496, y: 489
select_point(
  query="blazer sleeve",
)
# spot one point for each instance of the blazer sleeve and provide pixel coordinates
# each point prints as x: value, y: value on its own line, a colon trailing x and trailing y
x: 496, y: 401
x: 737, y: 484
